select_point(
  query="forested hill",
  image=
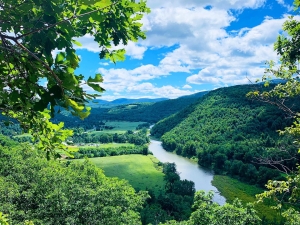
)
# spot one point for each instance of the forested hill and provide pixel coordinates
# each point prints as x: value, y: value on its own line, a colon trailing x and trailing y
x: 146, y: 112
x: 226, y: 131
x: 96, y: 103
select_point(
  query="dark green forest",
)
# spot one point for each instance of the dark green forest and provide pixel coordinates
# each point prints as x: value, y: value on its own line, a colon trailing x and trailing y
x: 146, y: 112
x: 231, y: 133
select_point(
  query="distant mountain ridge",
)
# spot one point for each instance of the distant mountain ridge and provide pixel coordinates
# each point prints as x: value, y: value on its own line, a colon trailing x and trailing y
x: 150, y: 112
x: 121, y: 101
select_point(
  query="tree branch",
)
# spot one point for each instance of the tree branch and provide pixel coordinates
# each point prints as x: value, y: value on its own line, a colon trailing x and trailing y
x: 39, y: 60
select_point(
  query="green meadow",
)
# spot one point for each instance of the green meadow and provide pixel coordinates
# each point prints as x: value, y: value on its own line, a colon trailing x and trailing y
x: 142, y: 172
x: 232, y: 188
x: 119, y: 127
x: 108, y: 145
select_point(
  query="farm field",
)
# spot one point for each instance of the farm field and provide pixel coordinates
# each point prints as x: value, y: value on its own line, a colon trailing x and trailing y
x: 232, y: 188
x: 141, y: 171
x: 119, y: 127
x: 107, y: 145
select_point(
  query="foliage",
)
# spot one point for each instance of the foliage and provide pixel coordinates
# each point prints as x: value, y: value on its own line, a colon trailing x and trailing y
x: 207, y: 212
x: 138, y: 137
x: 91, y: 152
x: 229, y: 132
x: 54, y: 192
x: 5, y: 141
x: 3, y: 219
x: 232, y: 188
x: 34, y: 79
x: 173, y: 203
x: 285, y: 193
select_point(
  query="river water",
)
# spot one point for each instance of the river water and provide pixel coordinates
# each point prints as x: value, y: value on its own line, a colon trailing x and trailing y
x: 188, y: 170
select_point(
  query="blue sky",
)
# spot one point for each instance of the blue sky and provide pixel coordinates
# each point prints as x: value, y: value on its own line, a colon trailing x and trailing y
x: 191, y: 46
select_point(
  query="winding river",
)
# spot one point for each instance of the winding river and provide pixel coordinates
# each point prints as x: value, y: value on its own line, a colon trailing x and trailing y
x: 188, y: 170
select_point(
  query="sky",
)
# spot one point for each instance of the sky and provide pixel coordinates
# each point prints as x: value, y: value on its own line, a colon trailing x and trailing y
x: 191, y: 46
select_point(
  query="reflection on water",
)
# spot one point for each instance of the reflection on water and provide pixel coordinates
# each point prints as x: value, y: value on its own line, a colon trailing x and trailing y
x: 187, y: 169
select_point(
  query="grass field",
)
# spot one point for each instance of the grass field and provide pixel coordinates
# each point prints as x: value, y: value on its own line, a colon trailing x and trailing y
x: 232, y: 188
x: 109, y: 145
x: 140, y: 171
x: 119, y: 126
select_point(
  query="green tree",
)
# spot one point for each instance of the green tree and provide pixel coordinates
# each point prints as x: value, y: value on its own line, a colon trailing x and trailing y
x: 207, y: 212
x: 31, y: 30
x: 53, y: 192
x: 286, y: 193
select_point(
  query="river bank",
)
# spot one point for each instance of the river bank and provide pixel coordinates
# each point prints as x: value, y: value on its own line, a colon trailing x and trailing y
x: 232, y: 188
x: 188, y: 170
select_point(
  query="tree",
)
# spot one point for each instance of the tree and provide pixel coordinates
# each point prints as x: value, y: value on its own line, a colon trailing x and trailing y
x: 30, y: 32
x: 56, y: 192
x: 207, y: 212
x: 286, y: 193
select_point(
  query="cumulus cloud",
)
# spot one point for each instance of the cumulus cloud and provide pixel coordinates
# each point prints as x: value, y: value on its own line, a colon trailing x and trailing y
x: 191, y: 27
x: 203, y: 47
x: 240, y: 57
x: 187, y: 86
x: 120, y: 79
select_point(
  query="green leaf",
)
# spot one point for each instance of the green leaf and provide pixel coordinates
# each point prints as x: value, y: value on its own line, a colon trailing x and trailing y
x: 103, y: 3
x: 96, y: 87
x: 116, y: 55
x: 60, y: 57
x: 76, y: 43
x: 92, y: 82
x: 98, y: 78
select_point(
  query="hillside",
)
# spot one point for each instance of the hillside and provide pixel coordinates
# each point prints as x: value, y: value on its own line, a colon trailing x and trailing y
x: 96, y: 103
x: 146, y: 112
x: 228, y: 132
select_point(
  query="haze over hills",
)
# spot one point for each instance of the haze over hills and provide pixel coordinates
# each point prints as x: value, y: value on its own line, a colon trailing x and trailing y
x: 96, y: 103
x: 150, y: 112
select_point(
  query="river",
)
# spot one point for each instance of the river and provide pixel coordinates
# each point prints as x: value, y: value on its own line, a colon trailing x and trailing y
x: 188, y: 170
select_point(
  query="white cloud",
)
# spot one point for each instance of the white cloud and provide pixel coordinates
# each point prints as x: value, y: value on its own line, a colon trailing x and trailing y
x: 147, y: 90
x: 169, y: 91
x: 121, y: 79
x: 233, y: 58
x: 202, y: 44
x: 187, y: 86
x: 191, y: 27
x: 166, y: 91
x: 134, y: 50
x: 281, y: 2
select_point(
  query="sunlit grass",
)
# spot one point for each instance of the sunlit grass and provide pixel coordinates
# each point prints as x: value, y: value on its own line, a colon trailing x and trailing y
x: 141, y: 171
x: 108, y: 145
x: 119, y: 127
x: 232, y: 188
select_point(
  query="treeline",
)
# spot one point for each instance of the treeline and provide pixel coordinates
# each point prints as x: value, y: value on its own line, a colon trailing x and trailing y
x: 10, y: 129
x: 56, y: 192
x: 229, y: 132
x: 92, y: 152
x: 173, y: 203
x: 138, y: 137
x: 146, y: 112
